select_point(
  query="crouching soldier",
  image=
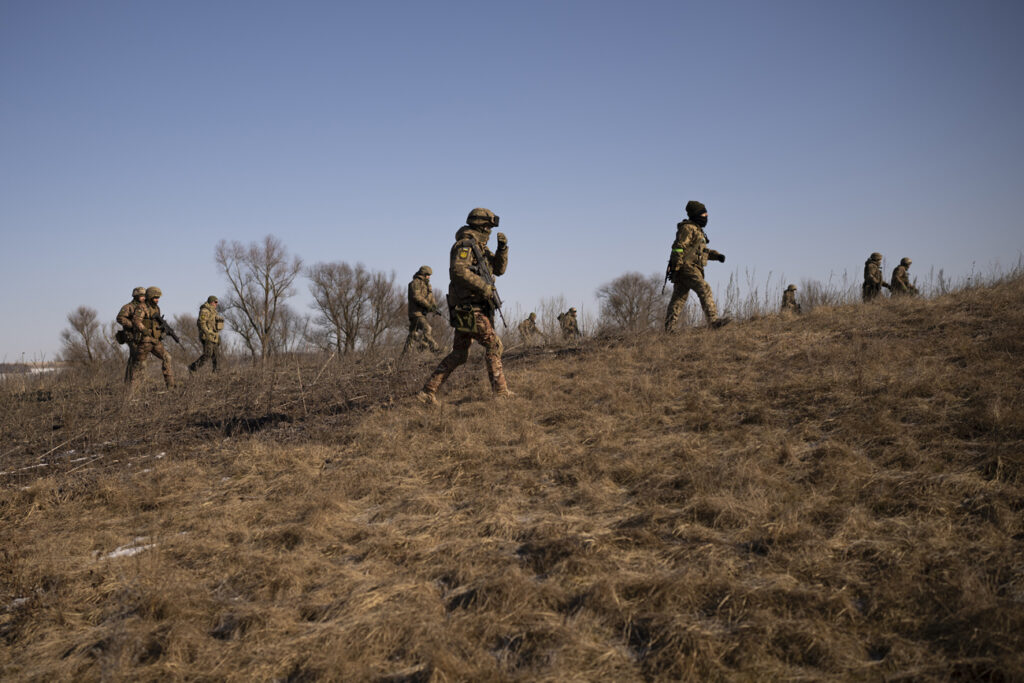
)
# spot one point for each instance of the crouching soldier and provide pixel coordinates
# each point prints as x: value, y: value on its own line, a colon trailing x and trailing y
x: 472, y: 302
x: 210, y: 324
x: 421, y: 303
x: 789, y: 304
x: 528, y: 330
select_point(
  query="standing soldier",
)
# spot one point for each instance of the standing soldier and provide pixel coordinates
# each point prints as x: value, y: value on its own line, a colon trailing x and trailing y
x: 149, y: 326
x: 686, y: 267
x: 570, y: 326
x: 472, y: 302
x: 789, y: 304
x: 901, y: 280
x: 873, y: 281
x: 528, y: 330
x: 127, y: 332
x: 210, y: 324
x: 421, y: 302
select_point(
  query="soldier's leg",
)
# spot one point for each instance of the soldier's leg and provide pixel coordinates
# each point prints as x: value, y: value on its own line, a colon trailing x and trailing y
x: 137, y: 362
x: 410, y: 339
x: 428, y: 337
x: 491, y: 342
x: 676, y: 304
x: 130, y: 367
x: 214, y: 355
x: 707, y: 299
x: 458, y: 356
x: 165, y: 363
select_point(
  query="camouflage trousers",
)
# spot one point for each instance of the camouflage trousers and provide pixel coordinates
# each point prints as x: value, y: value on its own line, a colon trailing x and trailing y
x: 486, y: 337
x: 421, y: 336
x: 683, y: 280
x: 869, y: 291
x: 211, y: 352
x: 137, y: 360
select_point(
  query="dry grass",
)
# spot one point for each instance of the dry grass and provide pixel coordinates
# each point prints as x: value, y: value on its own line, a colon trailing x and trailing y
x: 838, y: 495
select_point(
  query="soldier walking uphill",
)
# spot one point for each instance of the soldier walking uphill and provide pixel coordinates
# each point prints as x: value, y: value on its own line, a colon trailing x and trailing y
x: 873, y: 281
x: 789, y: 304
x: 686, y: 267
x: 128, y: 334
x: 149, y: 326
x: 569, y: 324
x: 210, y: 324
x: 421, y: 303
x: 472, y: 302
x: 528, y: 330
x: 900, y: 284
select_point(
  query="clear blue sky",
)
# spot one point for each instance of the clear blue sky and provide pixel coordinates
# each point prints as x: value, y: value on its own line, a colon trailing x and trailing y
x: 135, y: 135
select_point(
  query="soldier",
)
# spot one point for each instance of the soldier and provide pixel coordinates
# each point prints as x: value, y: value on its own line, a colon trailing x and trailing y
x: 686, y: 267
x: 789, y: 304
x: 471, y: 302
x: 873, y: 281
x: 421, y: 302
x: 210, y: 324
x: 569, y: 324
x: 149, y: 329
x: 901, y: 281
x: 528, y: 330
x: 127, y: 333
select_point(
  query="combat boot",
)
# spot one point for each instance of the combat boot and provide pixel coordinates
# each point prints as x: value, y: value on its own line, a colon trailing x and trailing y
x: 427, y: 398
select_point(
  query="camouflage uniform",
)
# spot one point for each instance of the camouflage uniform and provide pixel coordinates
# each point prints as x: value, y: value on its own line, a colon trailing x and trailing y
x: 469, y: 302
x: 686, y: 266
x: 528, y: 330
x: 149, y: 332
x: 124, y: 319
x: 873, y: 281
x: 789, y: 304
x: 569, y: 324
x: 900, y: 284
x: 421, y: 303
x: 210, y: 324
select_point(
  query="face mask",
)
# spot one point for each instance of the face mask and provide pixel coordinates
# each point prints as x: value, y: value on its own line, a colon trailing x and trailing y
x: 702, y: 221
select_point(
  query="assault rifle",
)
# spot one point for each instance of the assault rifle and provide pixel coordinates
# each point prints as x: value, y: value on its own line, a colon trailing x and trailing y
x: 485, y: 273
x: 167, y: 328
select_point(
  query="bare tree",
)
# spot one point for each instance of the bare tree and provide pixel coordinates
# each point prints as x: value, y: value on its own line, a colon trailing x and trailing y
x: 185, y: 326
x: 632, y: 302
x: 340, y: 294
x: 84, y: 342
x: 293, y: 333
x: 386, y: 304
x: 260, y: 278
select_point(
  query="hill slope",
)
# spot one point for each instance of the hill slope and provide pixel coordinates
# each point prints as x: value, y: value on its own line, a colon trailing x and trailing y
x: 837, y: 495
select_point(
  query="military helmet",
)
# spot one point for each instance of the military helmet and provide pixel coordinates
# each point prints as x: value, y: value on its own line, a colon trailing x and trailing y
x: 153, y: 292
x: 480, y: 216
x: 791, y: 288
x: 212, y: 299
x: 425, y: 270
x: 572, y: 310
x: 905, y: 261
x: 875, y: 256
x: 138, y: 291
x: 533, y: 316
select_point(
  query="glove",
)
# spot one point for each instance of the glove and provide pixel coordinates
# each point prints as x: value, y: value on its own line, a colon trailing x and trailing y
x: 502, y: 241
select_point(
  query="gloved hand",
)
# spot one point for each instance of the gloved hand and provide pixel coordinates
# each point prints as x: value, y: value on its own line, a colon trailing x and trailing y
x: 502, y: 241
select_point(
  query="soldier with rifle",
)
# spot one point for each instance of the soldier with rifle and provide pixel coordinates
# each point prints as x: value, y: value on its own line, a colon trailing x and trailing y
x: 873, y: 280
x: 690, y: 254
x: 472, y: 302
x: 128, y: 334
x: 150, y: 327
x: 421, y: 303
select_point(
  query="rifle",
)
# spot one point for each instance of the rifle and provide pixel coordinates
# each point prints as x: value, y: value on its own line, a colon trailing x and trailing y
x: 485, y: 273
x: 668, y: 274
x: 167, y: 328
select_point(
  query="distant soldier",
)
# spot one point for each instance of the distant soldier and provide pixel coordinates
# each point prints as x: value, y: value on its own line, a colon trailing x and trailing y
x: 148, y: 325
x: 900, y: 285
x: 528, y: 330
x: 421, y: 303
x: 686, y: 263
x: 472, y: 302
x: 128, y: 334
x: 569, y: 324
x: 873, y: 281
x: 210, y: 324
x: 789, y: 304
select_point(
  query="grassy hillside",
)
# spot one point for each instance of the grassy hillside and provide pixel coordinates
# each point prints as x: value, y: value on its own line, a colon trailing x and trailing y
x: 839, y: 495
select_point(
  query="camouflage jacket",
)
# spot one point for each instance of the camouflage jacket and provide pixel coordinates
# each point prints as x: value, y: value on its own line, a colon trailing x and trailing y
x: 789, y: 301
x: 125, y: 315
x: 467, y: 286
x: 421, y: 297
x: 569, y: 324
x: 690, y: 247
x: 144, y: 320
x: 207, y: 324
x: 872, y: 275
x: 528, y: 328
x: 900, y: 282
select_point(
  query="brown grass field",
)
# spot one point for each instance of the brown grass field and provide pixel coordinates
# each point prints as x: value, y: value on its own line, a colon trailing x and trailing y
x: 838, y: 496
